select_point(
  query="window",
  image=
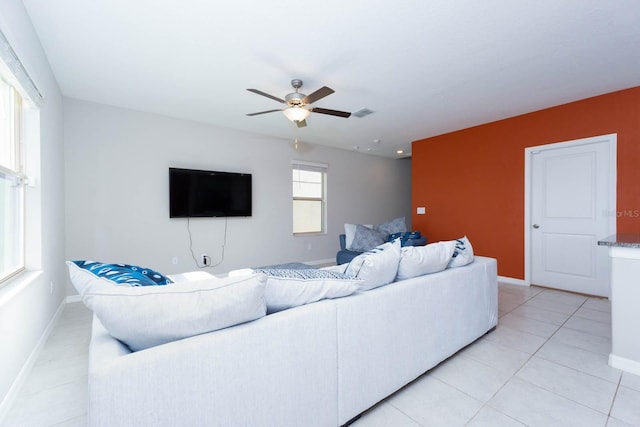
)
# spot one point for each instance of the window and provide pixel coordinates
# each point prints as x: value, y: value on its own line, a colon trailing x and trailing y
x: 20, y: 100
x: 309, y: 197
x: 11, y: 182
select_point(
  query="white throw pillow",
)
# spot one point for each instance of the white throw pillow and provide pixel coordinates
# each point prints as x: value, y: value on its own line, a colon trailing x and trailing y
x: 143, y: 317
x: 463, y: 254
x: 190, y: 276
x: 288, y: 288
x: 419, y: 260
x: 376, y: 267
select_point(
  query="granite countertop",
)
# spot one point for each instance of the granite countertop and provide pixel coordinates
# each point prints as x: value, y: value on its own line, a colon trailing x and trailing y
x: 622, y: 240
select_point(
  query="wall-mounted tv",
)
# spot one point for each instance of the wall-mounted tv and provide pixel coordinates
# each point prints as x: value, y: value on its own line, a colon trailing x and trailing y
x: 199, y: 193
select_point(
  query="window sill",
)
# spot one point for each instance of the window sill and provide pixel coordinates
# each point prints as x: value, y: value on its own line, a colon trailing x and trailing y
x: 16, y: 284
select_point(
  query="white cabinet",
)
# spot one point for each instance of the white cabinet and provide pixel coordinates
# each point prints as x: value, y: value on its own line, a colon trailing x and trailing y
x: 624, y: 251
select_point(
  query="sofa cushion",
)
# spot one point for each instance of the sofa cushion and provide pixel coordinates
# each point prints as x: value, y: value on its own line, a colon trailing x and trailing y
x: 418, y: 260
x: 376, y: 267
x: 366, y: 238
x: 124, y: 274
x: 143, y: 317
x: 463, y: 253
x: 292, y: 288
x: 397, y: 225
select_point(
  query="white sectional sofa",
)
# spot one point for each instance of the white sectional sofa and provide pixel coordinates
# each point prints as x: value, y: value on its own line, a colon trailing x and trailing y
x: 320, y: 364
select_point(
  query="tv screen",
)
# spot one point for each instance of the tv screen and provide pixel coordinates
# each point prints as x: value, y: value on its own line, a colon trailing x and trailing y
x: 198, y: 193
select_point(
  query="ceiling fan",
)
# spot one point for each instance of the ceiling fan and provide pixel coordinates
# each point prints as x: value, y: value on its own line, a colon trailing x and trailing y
x: 297, y: 105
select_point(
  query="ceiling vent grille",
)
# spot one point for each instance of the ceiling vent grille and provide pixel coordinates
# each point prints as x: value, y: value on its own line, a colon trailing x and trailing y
x: 362, y: 112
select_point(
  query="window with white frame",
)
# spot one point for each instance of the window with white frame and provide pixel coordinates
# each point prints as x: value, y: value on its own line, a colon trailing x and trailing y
x: 309, y: 197
x: 18, y: 94
x: 11, y: 182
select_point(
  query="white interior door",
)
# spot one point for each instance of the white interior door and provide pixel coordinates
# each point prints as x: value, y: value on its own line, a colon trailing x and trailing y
x: 570, y: 212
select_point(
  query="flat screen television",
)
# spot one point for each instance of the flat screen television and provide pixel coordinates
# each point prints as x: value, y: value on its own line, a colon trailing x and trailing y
x: 199, y: 193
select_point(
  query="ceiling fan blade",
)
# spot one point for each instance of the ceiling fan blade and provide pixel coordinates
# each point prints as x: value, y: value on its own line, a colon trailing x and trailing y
x: 319, y: 94
x: 301, y: 123
x: 331, y: 112
x: 259, y: 92
x: 262, y: 112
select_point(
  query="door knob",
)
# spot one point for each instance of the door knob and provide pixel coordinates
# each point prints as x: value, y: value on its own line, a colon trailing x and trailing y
x: 536, y: 226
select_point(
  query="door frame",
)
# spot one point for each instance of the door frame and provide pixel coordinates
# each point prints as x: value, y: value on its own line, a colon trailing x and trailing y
x: 612, y: 141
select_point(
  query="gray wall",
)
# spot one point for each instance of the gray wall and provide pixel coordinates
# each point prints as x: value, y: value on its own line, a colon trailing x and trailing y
x: 28, y: 303
x: 117, y: 164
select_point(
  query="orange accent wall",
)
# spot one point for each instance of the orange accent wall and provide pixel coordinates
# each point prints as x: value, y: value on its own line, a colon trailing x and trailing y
x: 472, y: 181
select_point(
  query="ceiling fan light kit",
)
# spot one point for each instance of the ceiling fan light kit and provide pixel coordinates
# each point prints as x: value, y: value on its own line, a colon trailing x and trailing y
x: 296, y: 114
x: 296, y: 102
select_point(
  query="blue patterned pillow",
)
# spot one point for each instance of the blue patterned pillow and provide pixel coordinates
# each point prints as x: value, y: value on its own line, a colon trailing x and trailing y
x: 124, y: 274
x: 366, y: 239
x: 291, y: 288
x: 397, y: 225
x: 303, y: 273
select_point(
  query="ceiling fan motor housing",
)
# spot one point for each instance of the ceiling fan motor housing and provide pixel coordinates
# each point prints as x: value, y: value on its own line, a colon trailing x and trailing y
x: 295, y: 99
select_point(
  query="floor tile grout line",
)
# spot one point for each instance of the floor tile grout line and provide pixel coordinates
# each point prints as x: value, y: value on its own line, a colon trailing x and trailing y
x: 568, y: 367
x: 67, y: 420
x: 528, y: 298
x: 32, y: 394
x: 615, y: 394
x: 533, y: 320
x: 568, y: 398
x: 509, y: 380
x: 582, y: 349
x: 405, y: 414
x: 543, y: 309
x: 486, y: 405
x: 578, y: 370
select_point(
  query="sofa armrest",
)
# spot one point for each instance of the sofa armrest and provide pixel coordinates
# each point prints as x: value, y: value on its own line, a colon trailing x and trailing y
x: 343, y: 241
x: 344, y: 257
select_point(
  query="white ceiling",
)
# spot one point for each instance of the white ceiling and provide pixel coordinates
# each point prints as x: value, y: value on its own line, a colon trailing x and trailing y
x: 426, y: 67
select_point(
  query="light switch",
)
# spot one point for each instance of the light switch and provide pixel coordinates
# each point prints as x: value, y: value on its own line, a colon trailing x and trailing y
x: 421, y: 210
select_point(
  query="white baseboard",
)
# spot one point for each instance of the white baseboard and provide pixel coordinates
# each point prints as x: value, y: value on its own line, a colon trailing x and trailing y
x: 11, y: 395
x: 73, y: 298
x: 512, y: 281
x: 627, y: 365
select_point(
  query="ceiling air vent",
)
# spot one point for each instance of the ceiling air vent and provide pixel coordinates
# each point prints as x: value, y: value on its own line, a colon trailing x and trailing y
x: 362, y: 112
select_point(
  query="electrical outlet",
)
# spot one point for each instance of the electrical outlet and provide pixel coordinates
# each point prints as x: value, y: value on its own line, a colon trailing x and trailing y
x: 174, y: 260
x: 205, y: 259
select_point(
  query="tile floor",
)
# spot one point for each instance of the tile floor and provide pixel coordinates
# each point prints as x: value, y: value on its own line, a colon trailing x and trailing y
x: 55, y: 392
x: 544, y: 365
